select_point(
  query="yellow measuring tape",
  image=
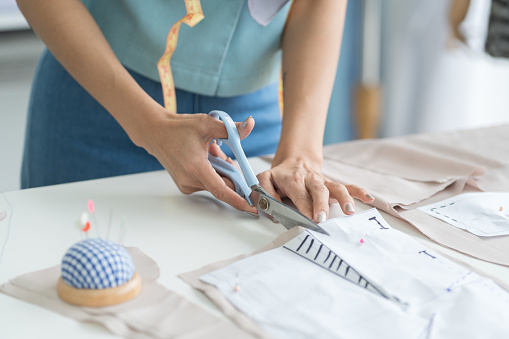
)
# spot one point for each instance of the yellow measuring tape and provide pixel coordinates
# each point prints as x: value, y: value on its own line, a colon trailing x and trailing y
x: 194, y: 15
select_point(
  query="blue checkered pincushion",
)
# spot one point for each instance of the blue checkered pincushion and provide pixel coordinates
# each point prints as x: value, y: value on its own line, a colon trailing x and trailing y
x: 96, y: 264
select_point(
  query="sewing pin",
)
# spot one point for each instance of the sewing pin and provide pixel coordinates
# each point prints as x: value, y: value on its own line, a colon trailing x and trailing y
x: 362, y: 241
x: 85, y: 224
x: 122, y: 232
x: 501, y: 209
x: 91, y: 209
x: 236, y: 288
x: 109, y: 225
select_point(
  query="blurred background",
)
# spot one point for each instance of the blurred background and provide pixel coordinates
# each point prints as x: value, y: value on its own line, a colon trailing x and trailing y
x: 406, y: 66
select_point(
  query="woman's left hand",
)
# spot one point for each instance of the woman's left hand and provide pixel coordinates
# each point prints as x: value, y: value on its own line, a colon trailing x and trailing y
x: 301, y: 180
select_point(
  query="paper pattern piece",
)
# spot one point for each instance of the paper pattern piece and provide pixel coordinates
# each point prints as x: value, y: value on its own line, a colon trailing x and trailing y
x: 288, y: 295
x: 155, y: 313
x: 483, y: 214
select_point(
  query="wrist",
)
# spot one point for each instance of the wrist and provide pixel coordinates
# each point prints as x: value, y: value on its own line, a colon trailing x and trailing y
x: 145, y: 124
x: 299, y: 155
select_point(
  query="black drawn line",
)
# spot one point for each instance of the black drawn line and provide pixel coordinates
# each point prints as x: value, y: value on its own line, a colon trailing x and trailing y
x: 332, y: 262
x: 427, y: 254
x: 339, y: 265
x: 306, y: 238
x: 310, y: 244
x: 382, y: 227
x: 328, y: 255
x: 317, y: 253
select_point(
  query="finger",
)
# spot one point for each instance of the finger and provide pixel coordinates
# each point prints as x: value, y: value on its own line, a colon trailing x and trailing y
x: 332, y: 200
x: 215, y: 128
x: 298, y: 193
x: 229, y: 183
x: 320, y: 195
x: 360, y: 193
x: 218, y: 188
x: 215, y: 150
x: 340, y: 193
x: 245, y: 127
x: 266, y: 182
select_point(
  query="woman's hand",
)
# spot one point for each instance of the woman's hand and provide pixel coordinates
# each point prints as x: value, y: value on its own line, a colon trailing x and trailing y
x: 308, y: 79
x: 182, y: 142
x: 301, y: 180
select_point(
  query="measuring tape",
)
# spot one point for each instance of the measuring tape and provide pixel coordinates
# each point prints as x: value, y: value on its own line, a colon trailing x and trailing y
x: 310, y: 248
x: 194, y: 15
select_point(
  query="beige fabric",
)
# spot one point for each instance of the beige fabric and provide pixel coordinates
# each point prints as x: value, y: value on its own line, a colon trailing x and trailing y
x: 406, y: 172
x: 156, y: 313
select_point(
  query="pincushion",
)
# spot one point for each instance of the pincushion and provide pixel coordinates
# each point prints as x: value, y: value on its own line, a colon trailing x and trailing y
x: 97, y: 272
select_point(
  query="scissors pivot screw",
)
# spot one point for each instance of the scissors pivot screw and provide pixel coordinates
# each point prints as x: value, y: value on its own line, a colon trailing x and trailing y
x: 263, y: 204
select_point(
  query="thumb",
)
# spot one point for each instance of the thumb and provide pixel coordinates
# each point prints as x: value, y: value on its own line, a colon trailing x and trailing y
x: 244, y: 128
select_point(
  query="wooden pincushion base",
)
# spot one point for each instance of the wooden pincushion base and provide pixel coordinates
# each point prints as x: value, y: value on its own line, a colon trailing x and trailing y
x: 102, y: 297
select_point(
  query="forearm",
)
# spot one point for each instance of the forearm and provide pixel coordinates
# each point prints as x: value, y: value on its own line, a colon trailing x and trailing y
x: 311, y: 45
x: 77, y: 42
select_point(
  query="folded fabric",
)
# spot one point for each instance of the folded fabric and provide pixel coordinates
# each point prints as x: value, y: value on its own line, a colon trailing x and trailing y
x: 404, y: 173
x: 155, y: 313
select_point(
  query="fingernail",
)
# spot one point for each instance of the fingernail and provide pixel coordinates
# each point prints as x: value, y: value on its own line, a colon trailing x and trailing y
x: 228, y: 159
x: 322, y: 216
x: 349, y: 207
x: 369, y: 196
x: 254, y: 215
x: 244, y: 124
x: 214, y: 141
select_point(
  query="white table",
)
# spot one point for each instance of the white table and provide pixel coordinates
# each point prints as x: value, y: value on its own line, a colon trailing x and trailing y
x: 181, y: 233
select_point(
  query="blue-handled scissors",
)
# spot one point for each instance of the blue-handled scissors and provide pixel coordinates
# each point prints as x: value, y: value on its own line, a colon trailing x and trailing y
x: 247, y: 185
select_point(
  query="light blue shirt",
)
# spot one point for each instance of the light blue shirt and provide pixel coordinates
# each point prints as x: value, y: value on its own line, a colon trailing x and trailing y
x: 228, y: 53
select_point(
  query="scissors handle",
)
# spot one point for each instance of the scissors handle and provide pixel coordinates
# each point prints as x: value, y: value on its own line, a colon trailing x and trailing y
x: 232, y: 173
x: 233, y: 141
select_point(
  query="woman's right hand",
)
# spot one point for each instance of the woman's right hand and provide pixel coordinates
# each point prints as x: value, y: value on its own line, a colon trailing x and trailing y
x: 181, y: 143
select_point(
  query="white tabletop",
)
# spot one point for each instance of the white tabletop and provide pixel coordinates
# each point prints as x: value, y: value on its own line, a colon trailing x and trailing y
x: 181, y: 233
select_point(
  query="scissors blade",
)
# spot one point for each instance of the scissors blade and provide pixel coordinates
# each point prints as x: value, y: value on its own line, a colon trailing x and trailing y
x: 286, y: 215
